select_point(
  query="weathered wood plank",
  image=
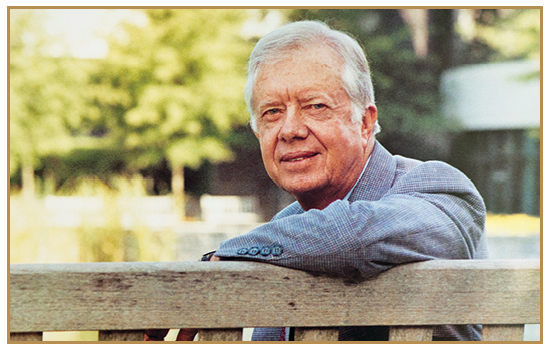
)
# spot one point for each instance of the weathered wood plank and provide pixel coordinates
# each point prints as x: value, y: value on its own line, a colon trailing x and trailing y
x: 224, y: 334
x: 411, y: 333
x: 312, y: 334
x: 106, y: 296
x: 128, y: 335
x: 504, y: 332
x: 29, y: 336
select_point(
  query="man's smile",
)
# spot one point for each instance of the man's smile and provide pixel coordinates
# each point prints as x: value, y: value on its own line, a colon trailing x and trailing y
x: 298, y: 156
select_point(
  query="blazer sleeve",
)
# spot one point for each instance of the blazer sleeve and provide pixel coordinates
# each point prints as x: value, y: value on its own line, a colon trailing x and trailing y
x: 431, y: 212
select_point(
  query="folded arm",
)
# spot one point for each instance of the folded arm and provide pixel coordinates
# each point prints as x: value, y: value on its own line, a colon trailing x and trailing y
x: 432, y: 212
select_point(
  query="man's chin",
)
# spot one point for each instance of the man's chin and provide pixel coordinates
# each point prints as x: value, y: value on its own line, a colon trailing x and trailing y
x: 298, y: 189
x: 303, y: 190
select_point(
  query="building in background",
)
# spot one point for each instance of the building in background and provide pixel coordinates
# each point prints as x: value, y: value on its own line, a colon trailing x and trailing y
x: 496, y: 111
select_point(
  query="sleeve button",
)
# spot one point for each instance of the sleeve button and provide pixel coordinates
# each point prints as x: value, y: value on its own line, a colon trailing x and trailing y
x: 265, y: 251
x: 242, y: 251
x: 277, y: 250
x: 254, y: 251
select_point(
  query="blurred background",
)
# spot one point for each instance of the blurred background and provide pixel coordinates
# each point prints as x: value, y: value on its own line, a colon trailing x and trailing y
x: 129, y: 135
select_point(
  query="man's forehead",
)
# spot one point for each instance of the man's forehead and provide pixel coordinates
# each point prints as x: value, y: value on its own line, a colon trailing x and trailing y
x: 320, y: 50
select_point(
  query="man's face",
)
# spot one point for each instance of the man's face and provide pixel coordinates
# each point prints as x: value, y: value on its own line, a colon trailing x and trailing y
x: 310, y: 146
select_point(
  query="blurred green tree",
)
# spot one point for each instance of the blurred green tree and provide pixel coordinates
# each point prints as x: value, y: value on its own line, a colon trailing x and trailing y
x: 45, y: 99
x: 497, y: 35
x: 172, y: 90
x: 506, y: 34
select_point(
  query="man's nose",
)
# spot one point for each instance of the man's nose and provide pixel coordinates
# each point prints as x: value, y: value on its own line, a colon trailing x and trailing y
x: 293, y: 127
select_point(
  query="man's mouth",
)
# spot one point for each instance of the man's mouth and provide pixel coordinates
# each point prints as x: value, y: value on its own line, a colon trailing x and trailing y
x: 298, y: 156
x: 296, y: 159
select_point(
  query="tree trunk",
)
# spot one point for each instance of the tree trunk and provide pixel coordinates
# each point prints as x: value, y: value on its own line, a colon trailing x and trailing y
x: 178, y: 187
x: 27, y: 175
x: 444, y: 43
x: 417, y: 20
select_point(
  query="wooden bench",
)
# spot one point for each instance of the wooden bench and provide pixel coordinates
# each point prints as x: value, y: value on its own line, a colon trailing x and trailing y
x: 120, y: 300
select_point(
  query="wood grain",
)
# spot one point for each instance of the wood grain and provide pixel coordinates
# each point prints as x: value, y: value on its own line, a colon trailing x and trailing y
x: 234, y: 334
x: 130, y: 296
x: 411, y: 333
x: 313, y: 334
x: 505, y: 332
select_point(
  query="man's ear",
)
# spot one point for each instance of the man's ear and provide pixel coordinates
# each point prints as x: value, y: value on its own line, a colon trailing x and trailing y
x: 370, y: 115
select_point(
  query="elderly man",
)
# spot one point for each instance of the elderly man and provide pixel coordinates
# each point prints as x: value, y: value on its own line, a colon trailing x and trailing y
x: 359, y: 210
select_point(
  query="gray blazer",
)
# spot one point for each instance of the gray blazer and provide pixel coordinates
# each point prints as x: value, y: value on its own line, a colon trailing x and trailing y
x: 400, y: 211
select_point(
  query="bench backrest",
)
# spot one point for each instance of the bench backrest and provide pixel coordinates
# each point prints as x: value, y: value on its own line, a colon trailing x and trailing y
x: 220, y: 298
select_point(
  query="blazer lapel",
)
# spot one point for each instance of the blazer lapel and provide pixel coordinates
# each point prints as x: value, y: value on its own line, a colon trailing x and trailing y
x: 377, y: 178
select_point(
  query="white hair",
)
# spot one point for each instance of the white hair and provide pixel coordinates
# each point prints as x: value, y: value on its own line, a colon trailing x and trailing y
x: 281, y: 42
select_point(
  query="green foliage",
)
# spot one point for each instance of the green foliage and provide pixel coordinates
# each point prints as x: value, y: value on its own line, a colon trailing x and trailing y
x: 513, y: 34
x: 169, y: 90
x: 173, y: 89
x: 45, y: 98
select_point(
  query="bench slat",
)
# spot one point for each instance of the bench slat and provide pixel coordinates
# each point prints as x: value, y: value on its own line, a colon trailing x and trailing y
x: 128, y: 335
x: 507, y: 332
x: 129, y: 296
x: 411, y: 333
x: 316, y: 334
x: 28, y: 336
x: 222, y: 334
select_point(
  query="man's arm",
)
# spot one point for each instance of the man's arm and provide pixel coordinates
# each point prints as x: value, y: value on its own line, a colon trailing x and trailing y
x: 432, y: 212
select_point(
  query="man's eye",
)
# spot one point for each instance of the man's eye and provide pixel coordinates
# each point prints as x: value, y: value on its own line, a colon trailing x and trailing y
x: 272, y: 111
x: 318, y: 106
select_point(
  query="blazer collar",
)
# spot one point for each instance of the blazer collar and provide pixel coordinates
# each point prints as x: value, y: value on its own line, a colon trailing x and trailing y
x: 377, y: 178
